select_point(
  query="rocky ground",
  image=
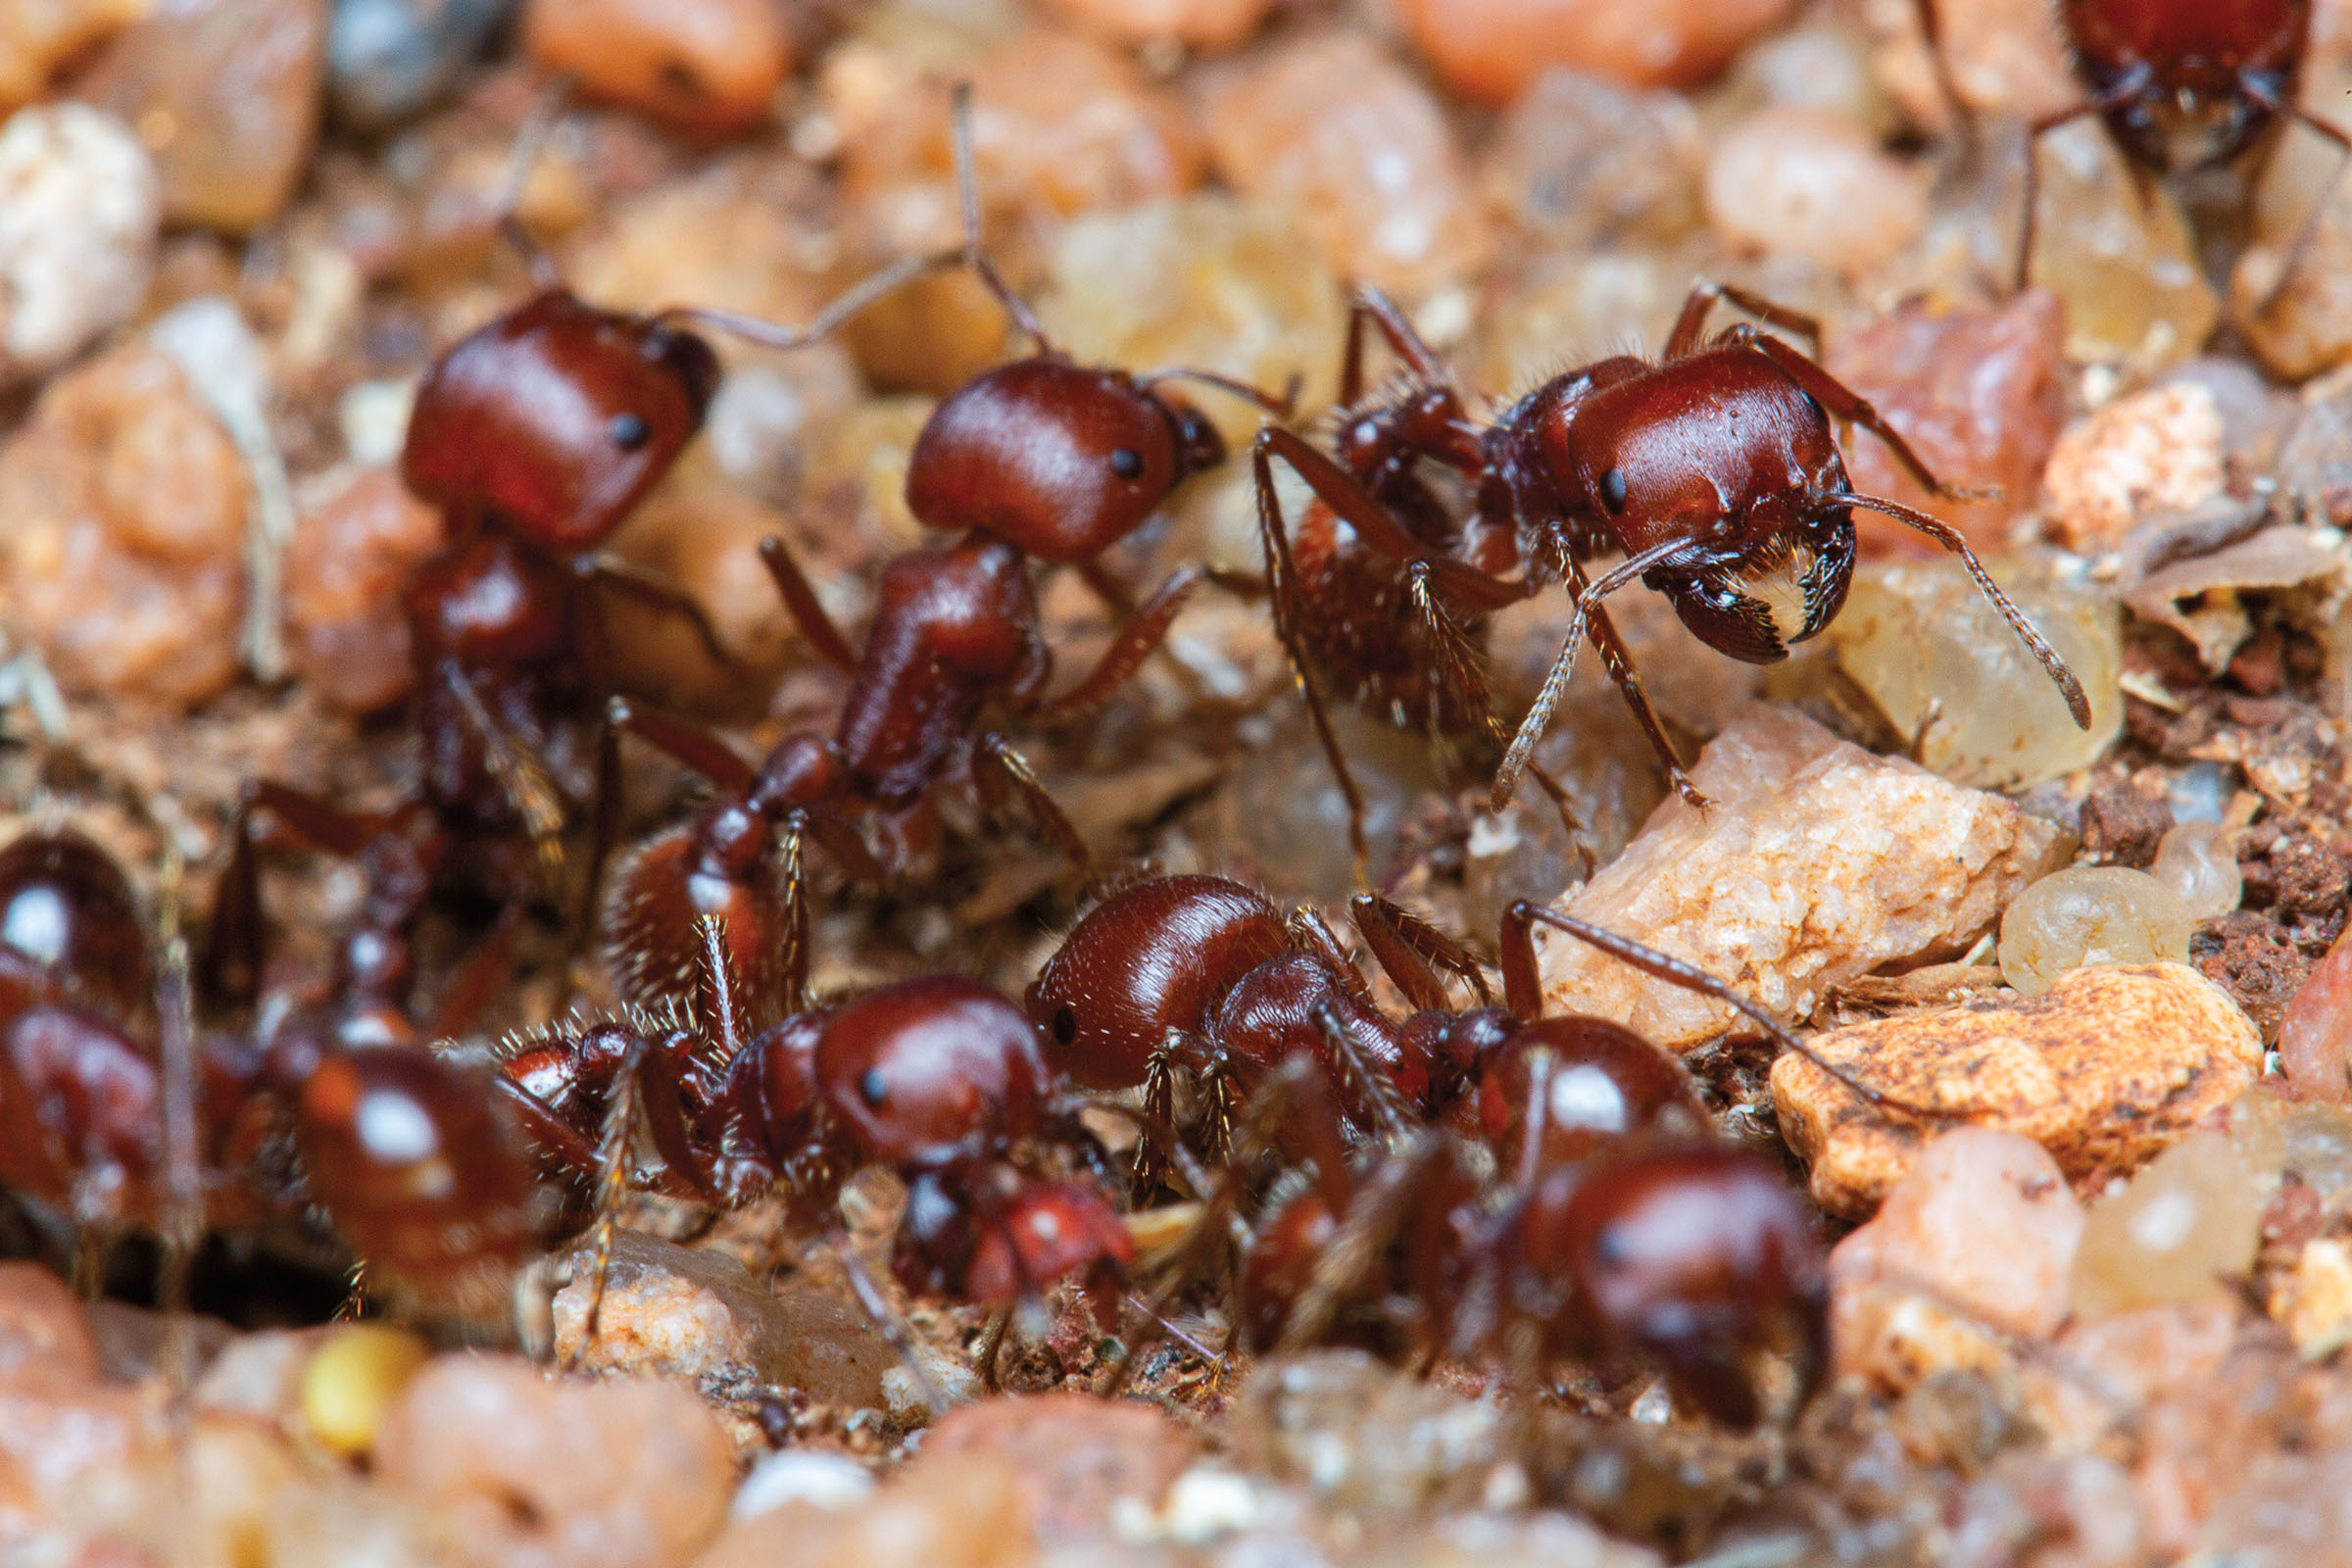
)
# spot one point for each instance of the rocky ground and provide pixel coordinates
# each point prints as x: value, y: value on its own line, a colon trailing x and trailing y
x: 2093, y: 1316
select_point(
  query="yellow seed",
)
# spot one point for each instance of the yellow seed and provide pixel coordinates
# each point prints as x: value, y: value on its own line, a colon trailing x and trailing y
x: 351, y: 1379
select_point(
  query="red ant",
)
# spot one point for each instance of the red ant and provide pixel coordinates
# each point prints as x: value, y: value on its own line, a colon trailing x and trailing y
x: 1040, y: 459
x: 2181, y: 86
x: 1712, y: 471
x: 939, y: 1080
x: 113, y: 1106
x: 1620, y: 1226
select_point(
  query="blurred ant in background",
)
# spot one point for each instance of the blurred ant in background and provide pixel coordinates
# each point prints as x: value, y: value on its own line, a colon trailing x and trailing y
x: 1040, y: 459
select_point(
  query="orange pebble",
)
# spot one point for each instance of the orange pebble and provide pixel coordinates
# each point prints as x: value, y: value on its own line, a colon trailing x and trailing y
x: 701, y: 65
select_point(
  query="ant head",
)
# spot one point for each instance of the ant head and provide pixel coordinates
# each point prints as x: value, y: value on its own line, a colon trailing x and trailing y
x: 415, y: 1162
x: 1583, y: 1083
x: 1699, y: 1254
x: 1151, y: 958
x: 1057, y: 460
x: 558, y: 417
x: 927, y: 1071
x: 69, y: 923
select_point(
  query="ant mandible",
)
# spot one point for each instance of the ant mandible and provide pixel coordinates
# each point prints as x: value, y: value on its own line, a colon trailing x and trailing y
x: 939, y: 1079
x: 2182, y: 85
x: 1616, y: 1222
x: 1713, y: 472
x: 1040, y: 459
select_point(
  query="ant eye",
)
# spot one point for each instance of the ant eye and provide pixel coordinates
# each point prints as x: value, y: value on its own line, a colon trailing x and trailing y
x: 1612, y: 489
x: 630, y: 432
x: 872, y: 1086
x: 1065, y: 1026
x: 1127, y: 463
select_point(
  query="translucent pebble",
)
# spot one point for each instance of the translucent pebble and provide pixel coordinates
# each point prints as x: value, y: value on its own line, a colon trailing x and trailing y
x: 2279, y: 1135
x: 519, y: 1467
x: 1978, y: 392
x: 353, y: 547
x: 1812, y: 182
x: 122, y: 527
x: 1580, y: 160
x: 78, y: 216
x: 2315, y: 1037
x: 2004, y: 57
x: 1490, y: 50
x: 388, y: 59
x: 709, y: 65
x: 1819, y: 64
x: 2198, y: 860
x: 2120, y: 256
x: 1210, y: 282
x: 1944, y: 665
x: 1063, y: 126
x: 353, y: 1379
x: 2187, y: 1223
x: 2199, y: 792
x: 2091, y: 915
x: 225, y: 95
x: 1336, y: 125
x: 2307, y: 326
x: 1201, y: 24
x: 1579, y: 306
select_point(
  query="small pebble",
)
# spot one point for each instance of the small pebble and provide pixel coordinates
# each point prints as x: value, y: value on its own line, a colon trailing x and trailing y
x: 353, y: 549
x: 2106, y: 1069
x: 78, y: 216
x: 1333, y: 124
x: 2280, y: 1135
x: 1821, y: 62
x: 1811, y: 182
x: 37, y: 40
x: 43, y: 1331
x: 799, y: 1475
x: 522, y: 1468
x: 2187, y: 1225
x: 225, y: 95
x: 1362, y: 1434
x: 1579, y: 161
x: 1977, y: 391
x: 1817, y: 864
x: 1063, y: 126
x: 1949, y: 671
x: 123, y: 522
x: 389, y: 60
x: 352, y: 1380
x: 1079, y: 1458
x: 1979, y: 1233
x: 1490, y: 50
x: 2198, y: 862
x: 2159, y: 450
x: 2316, y: 1305
x: 1200, y: 24
x: 2315, y: 1038
x: 961, y: 1510
x: 2118, y: 254
x: 705, y: 65
x: 2090, y: 916
x: 2004, y: 56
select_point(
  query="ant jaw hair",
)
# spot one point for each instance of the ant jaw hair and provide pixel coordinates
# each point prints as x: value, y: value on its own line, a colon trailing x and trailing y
x: 2078, y: 702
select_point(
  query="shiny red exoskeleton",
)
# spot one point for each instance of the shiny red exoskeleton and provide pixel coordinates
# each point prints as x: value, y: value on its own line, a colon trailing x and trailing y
x: 1713, y: 472
x: 411, y: 1160
x: 1616, y: 1225
x: 2181, y: 86
x: 939, y: 1080
x: 1041, y: 460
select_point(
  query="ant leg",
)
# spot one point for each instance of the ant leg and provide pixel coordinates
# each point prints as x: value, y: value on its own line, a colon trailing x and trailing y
x: 991, y: 1345
x: 1690, y: 327
x: 1359, y: 1242
x: 1461, y: 667
x: 230, y: 969
x: 1310, y: 934
x: 479, y: 980
x: 999, y: 767
x: 181, y: 1229
x: 2031, y: 201
x: 529, y: 140
x: 1368, y: 303
x: 612, y: 1182
x: 2308, y: 229
x: 1144, y: 632
x: 802, y: 603
x: 722, y: 1013
x: 1525, y: 999
x: 1964, y: 117
x: 793, y: 875
x: 1410, y: 952
x: 1592, y: 620
x: 885, y: 1318
x: 678, y: 739
x: 1107, y: 587
x: 652, y: 588
x: 1392, y: 1118
x: 1842, y: 402
x: 1360, y: 509
x: 2078, y: 702
x: 521, y: 777
x: 1283, y: 591
x: 1560, y: 803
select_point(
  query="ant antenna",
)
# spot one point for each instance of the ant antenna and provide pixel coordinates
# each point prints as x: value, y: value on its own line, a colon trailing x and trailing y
x: 1943, y: 533
x: 529, y: 141
x: 897, y: 275
x: 1284, y: 408
x: 1555, y: 682
x: 1526, y: 1000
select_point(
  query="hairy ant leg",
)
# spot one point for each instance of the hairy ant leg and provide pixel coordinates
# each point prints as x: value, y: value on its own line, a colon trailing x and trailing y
x: 1412, y: 951
x: 999, y: 772
x: 1689, y: 333
x: 659, y: 593
x: 2308, y: 230
x: 1138, y: 639
x: 808, y: 611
